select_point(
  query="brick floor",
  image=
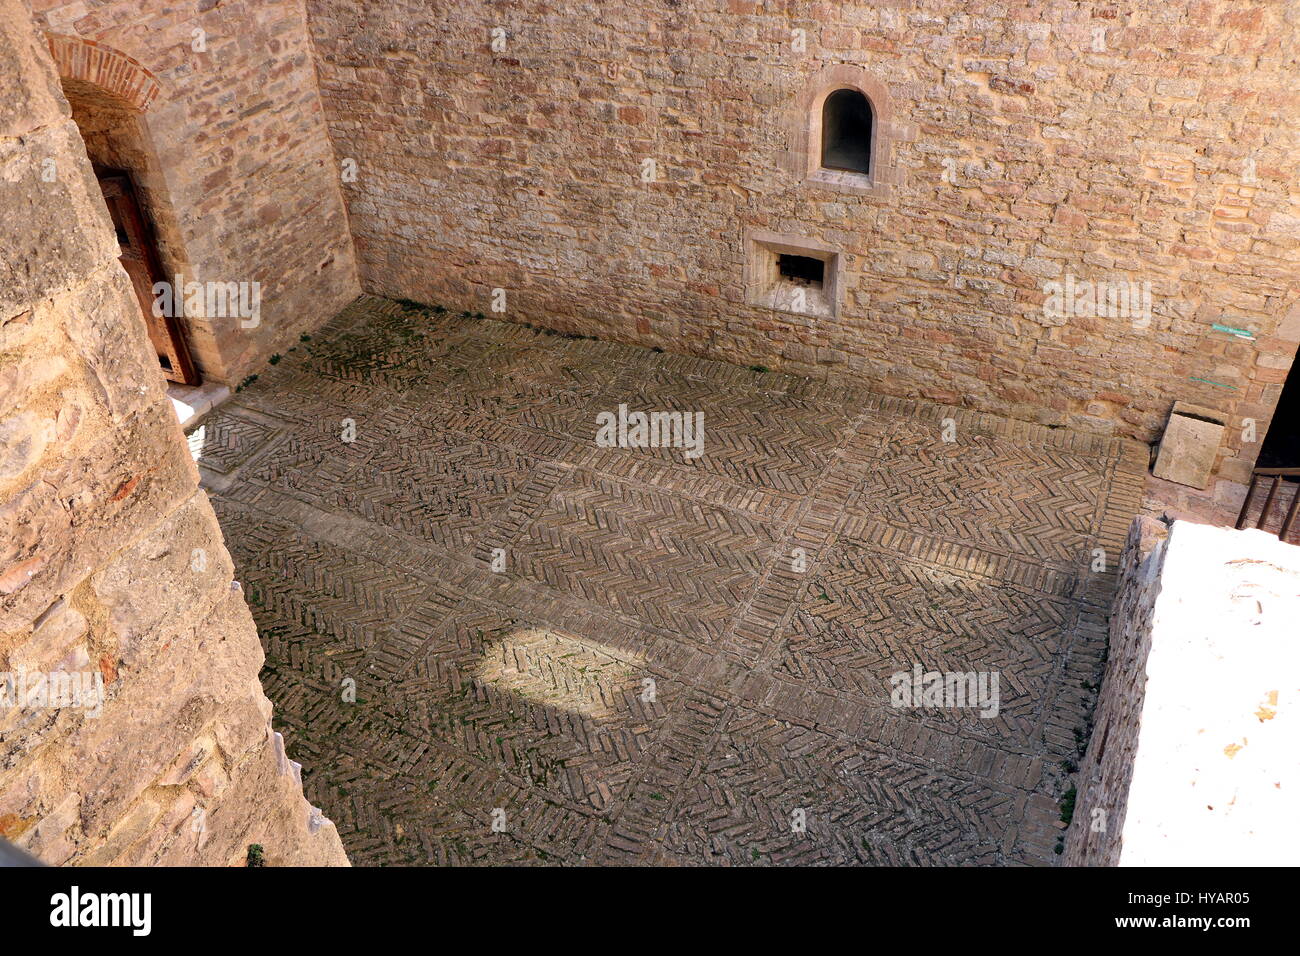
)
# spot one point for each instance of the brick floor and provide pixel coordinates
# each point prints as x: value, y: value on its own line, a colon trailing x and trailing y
x: 682, y: 658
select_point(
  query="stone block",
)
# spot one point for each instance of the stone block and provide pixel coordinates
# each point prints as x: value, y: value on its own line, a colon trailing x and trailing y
x: 56, y: 232
x: 51, y: 638
x: 189, y: 762
x: 23, y: 438
x: 24, y: 376
x: 1236, y: 470
x: 37, y: 101
x: 159, y: 586
x: 66, y: 524
x: 1190, y: 445
x: 106, y: 331
x: 115, y: 844
x: 50, y: 840
x: 203, y: 677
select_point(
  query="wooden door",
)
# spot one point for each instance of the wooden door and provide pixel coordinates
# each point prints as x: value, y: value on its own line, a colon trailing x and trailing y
x: 140, y: 259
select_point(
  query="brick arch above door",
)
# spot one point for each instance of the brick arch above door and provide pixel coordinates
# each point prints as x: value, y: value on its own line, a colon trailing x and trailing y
x: 104, y: 67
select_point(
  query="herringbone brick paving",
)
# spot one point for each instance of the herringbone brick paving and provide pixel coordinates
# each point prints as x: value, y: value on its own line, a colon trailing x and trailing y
x: 674, y: 659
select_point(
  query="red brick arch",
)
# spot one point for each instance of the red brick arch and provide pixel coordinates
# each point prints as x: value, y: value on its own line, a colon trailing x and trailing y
x: 104, y: 67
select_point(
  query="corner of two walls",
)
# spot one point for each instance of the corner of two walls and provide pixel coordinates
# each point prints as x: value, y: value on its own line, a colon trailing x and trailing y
x: 505, y: 148
x: 144, y: 736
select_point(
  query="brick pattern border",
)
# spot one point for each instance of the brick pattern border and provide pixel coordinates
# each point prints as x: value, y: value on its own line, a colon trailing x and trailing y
x: 104, y: 67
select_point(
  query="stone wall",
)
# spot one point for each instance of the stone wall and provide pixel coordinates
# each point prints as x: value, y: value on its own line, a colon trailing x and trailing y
x: 113, y: 574
x: 1192, y: 757
x: 230, y: 150
x: 1108, y: 763
x: 1149, y: 141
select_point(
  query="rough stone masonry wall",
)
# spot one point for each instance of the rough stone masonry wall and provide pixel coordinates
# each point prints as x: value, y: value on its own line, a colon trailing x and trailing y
x: 245, y: 188
x: 1107, y: 768
x: 111, y: 561
x: 1192, y: 760
x: 1146, y: 141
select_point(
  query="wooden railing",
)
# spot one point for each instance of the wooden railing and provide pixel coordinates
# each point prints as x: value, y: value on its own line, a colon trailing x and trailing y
x: 1277, y: 474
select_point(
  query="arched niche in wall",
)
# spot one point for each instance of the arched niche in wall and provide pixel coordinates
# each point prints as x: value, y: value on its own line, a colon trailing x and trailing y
x: 843, y: 132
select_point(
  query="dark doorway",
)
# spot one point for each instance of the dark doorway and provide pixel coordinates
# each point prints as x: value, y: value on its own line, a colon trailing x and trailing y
x: 140, y: 259
x: 1273, y: 498
x: 1281, y: 447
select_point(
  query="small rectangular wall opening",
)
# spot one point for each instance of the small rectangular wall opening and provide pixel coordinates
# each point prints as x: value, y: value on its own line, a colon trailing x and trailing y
x: 791, y: 274
x: 801, y: 268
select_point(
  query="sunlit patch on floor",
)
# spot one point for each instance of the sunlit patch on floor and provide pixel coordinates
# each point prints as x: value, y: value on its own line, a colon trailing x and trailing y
x: 558, y: 670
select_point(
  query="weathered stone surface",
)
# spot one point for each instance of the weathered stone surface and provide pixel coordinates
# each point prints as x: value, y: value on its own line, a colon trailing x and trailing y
x: 23, y: 438
x: 153, y: 589
x: 1190, y: 445
x: 140, y: 716
x: 42, y: 255
x: 72, y: 518
x: 51, y: 637
x: 106, y: 331
x: 19, y: 382
x: 36, y: 101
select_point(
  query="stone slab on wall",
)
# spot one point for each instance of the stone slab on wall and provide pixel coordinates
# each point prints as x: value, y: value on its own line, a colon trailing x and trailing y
x: 113, y: 572
x: 1149, y: 142
x: 1192, y: 759
x: 1189, y: 446
x: 241, y: 181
